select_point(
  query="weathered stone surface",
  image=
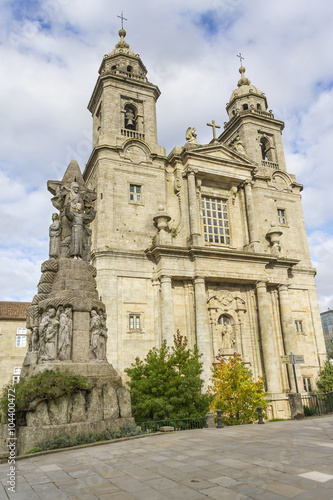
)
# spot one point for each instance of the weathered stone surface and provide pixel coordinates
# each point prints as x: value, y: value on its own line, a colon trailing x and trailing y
x: 110, y: 401
x: 124, y: 399
x: 95, y: 405
x: 38, y: 417
x: 77, y: 408
x: 58, y: 411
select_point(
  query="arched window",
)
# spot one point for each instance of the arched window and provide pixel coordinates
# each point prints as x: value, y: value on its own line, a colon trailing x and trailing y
x: 130, y: 117
x: 233, y: 112
x: 129, y: 69
x: 245, y: 106
x: 224, y: 320
x: 258, y: 106
x: 266, y: 149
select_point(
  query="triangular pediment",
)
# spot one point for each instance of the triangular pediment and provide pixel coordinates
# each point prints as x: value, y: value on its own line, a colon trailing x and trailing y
x: 221, y: 152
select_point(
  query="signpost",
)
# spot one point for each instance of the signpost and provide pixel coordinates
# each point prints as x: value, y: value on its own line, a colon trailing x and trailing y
x: 293, y: 359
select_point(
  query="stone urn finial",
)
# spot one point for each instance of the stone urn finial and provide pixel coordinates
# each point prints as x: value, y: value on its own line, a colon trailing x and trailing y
x: 161, y: 222
x: 274, y: 235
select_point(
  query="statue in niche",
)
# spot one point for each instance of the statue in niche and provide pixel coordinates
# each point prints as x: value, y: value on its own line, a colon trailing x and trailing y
x: 79, y: 219
x: 191, y: 135
x: 65, y: 333
x: 48, y: 335
x: 98, y: 335
x: 228, y: 337
x: 54, y: 233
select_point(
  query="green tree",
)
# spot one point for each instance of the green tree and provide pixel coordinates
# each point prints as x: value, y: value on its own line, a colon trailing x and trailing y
x: 235, y: 392
x: 167, y: 383
x: 325, y: 377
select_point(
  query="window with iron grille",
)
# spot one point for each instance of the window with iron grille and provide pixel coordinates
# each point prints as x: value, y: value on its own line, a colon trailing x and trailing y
x: 215, y: 220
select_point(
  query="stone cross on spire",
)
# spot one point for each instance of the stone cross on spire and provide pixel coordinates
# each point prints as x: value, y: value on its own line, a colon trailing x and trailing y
x: 214, y: 126
x: 238, y: 55
x: 122, y: 19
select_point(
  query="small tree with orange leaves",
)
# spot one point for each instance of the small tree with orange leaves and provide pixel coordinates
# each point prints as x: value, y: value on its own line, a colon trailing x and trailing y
x: 234, y: 391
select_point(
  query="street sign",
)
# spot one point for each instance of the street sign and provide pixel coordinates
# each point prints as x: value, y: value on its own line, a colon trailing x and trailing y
x: 299, y: 359
x: 284, y: 359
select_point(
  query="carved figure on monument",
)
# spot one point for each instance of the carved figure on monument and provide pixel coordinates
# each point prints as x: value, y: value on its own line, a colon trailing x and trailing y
x: 48, y: 335
x: 101, y: 352
x: 239, y: 146
x: 35, y: 339
x: 80, y: 236
x: 98, y: 335
x: 54, y: 233
x: 191, y: 135
x: 65, y: 333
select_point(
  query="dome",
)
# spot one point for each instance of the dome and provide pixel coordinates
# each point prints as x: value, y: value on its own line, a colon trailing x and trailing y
x: 245, y: 97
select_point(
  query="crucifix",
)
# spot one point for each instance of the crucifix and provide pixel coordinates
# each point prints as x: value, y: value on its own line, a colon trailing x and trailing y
x: 122, y: 19
x: 240, y: 58
x: 214, y: 128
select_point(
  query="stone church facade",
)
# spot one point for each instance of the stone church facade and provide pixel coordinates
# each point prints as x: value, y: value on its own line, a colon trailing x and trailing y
x: 209, y: 240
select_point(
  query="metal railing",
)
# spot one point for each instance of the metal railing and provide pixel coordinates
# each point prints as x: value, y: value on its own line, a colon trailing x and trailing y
x: 317, y: 404
x: 179, y: 424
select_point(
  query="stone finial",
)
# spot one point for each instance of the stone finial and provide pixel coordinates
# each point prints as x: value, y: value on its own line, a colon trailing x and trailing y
x: 122, y: 44
x: 243, y: 80
x: 274, y: 235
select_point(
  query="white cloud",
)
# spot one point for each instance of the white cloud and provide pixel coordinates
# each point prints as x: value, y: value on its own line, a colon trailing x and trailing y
x: 50, y: 57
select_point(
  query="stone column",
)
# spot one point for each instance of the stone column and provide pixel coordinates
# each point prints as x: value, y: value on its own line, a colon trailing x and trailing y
x: 193, y: 208
x: 289, y: 336
x: 203, y: 336
x: 167, y: 314
x: 267, y: 339
x: 251, y: 219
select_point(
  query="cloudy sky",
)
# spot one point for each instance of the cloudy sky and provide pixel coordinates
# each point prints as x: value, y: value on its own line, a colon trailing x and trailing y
x: 50, y: 52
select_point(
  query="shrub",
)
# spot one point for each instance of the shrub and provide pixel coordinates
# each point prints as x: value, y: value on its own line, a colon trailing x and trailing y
x: 167, y: 383
x: 45, y: 386
x: 109, y: 434
x: 235, y: 393
x: 62, y: 441
x: 130, y: 430
x: 85, y: 438
x: 36, y: 449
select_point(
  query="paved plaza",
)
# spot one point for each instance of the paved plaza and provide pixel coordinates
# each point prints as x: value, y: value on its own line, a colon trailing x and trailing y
x: 291, y: 459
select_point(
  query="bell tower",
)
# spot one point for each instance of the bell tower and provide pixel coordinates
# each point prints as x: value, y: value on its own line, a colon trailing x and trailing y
x: 252, y: 124
x: 123, y: 101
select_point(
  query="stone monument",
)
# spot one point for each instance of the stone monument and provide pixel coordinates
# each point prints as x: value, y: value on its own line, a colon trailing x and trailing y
x: 67, y: 323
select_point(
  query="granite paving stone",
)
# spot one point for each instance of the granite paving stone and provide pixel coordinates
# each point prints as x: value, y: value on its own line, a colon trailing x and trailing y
x: 291, y: 459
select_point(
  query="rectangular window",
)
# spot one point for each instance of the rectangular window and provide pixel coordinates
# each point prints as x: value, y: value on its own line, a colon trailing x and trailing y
x: 307, y: 385
x: 135, y: 193
x: 282, y: 216
x: 21, y: 340
x: 134, y: 322
x: 299, y: 326
x: 21, y: 331
x: 17, y: 370
x: 215, y: 220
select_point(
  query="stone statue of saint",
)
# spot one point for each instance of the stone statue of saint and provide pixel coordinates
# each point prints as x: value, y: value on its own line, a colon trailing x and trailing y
x: 238, y: 146
x: 48, y: 335
x: 95, y: 327
x: 191, y: 135
x: 227, y: 336
x: 98, y: 335
x: 74, y: 194
x: 34, y: 338
x: 54, y: 232
x: 65, y: 334
x: 101, y: 353
x: 79, y: 219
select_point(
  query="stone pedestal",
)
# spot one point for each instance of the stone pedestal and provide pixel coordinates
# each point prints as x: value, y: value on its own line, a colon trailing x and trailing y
x: 296, y: 406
